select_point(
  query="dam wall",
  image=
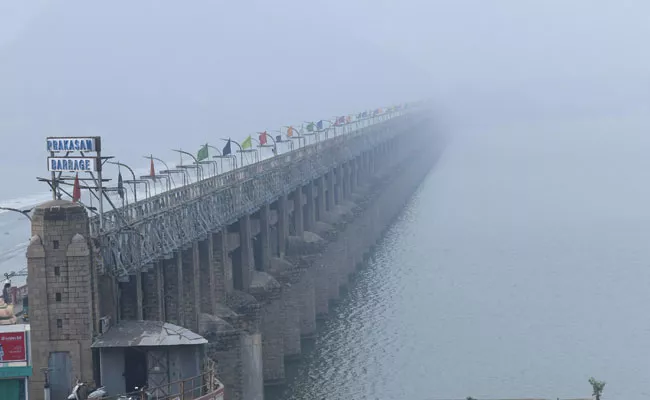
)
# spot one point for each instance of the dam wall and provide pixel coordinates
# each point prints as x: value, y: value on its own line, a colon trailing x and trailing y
x: 244, y: 287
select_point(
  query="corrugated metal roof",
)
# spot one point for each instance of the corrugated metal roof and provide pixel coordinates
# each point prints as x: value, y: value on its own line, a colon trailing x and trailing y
x: 147, y: 333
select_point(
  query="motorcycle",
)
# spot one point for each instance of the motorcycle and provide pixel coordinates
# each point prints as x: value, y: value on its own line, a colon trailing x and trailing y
x: 136, y: 396
x: 77, y: 392
x: 98, y: 393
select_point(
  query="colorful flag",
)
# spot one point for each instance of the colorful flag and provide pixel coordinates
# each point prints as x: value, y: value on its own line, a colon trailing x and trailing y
x: 247, y: 144
x: 76, y: 190
x: 226, y: 149
x: 290, y: 131
x: 310, y: 127
x: 203, y: 153
x: 319, y: 125
x: 348, y: 119
x: 263, y: 138
x: 120, y: 185
x: 152, y: 171
x: 278, y: 138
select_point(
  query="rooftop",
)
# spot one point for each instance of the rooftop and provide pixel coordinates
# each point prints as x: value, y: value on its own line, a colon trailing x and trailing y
x: 147, y: 333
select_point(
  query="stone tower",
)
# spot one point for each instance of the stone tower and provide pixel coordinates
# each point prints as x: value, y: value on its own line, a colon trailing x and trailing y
x: 60, y: 280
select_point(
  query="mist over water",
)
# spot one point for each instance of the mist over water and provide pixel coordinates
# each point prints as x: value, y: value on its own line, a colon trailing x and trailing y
x: 519, y: 269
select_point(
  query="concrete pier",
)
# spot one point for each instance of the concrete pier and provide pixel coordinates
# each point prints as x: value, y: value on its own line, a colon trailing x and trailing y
x: 250, y: 265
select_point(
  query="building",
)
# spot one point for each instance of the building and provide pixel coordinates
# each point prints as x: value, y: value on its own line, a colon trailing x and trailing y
x: 15, y: 362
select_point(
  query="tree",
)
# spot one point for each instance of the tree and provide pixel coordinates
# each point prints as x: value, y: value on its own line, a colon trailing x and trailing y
x: 597, y: 386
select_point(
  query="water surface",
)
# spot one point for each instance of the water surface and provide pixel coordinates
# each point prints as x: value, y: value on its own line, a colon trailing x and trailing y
x: 519, y: 269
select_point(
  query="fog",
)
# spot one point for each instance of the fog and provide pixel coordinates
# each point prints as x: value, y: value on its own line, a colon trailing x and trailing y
x: 552, y: 95
x: 149, y: 75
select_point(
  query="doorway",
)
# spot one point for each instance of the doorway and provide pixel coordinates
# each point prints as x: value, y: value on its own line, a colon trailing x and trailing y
x: 60, y: 367
x: 135, y: 369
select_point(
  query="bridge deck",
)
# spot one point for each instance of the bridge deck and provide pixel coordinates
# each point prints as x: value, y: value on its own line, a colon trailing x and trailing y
x: 152, y: 229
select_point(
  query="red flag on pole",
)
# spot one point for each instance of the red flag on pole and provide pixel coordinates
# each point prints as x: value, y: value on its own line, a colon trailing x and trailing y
x: 76, y: 190
x: 152, y: 171
x: 263, y: 138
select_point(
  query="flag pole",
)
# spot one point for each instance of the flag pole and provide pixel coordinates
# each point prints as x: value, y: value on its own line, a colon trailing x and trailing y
x: 220, y: 156
x: 119, y: 164
x: 241, y: 151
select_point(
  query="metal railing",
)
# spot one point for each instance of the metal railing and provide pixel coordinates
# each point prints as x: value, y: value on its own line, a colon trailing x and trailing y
x: 205, y: 386
x: 152, y: 229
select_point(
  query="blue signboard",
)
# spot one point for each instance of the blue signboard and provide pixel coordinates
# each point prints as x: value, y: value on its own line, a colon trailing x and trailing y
x: 72, y: 144
x: 71, y: 164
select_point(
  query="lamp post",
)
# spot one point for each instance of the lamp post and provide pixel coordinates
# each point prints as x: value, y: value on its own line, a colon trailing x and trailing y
x: 166, y: 177
x: 283, y: 141
x: 220, y: 156
x: 22, y: 212
x: 135, y: 191
x: 275, y: 145
x: 298, y: 137
x: 199, y: 168
x: 133, y: 181
x: 232, y: 159
x: 170, y: 172
x: 318, y: 131
x: 151, y: 157
x: 46, y: 383
x: 241, y: 150
x: 257, y: 152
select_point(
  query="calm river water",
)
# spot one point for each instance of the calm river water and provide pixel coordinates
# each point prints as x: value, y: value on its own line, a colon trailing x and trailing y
x: 520, y: 268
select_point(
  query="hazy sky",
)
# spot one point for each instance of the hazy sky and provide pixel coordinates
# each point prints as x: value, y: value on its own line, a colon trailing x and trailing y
x: 153, y: 75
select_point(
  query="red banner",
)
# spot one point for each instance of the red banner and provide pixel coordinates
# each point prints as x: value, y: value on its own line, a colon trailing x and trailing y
x: 12, y: 346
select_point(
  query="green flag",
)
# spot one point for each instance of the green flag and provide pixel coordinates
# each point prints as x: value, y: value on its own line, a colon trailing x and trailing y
x: 310, y: 127
x: 203, y: 153
x: 247, y: 144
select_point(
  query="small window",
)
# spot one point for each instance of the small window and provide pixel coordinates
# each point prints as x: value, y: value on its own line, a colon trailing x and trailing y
x: 59, y: 323
x: 55, y: 244
x: 58, y: 297
x: 57, y: 271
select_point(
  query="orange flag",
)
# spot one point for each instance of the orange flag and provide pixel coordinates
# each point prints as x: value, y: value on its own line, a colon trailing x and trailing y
x: 290, y: 131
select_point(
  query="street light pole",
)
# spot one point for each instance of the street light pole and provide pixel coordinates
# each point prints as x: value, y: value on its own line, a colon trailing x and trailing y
x: 135, y: 191
x: 46, y: 384
x: 151, y: 157
x: 22, y: 212
x: 241, y: 150
x: 199, y: 168
x: 296, y: 137
x: 220, y: 156
x: 275, y: 145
